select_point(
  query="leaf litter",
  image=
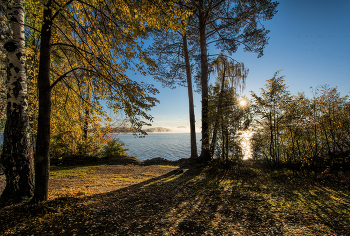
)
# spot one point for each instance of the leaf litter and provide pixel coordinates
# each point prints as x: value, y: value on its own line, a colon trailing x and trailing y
x: 199, y: 200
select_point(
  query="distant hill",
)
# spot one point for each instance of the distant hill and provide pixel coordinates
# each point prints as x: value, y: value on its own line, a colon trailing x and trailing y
x: 115, y: 130
x: 127, y: 130
x: 157, y: 129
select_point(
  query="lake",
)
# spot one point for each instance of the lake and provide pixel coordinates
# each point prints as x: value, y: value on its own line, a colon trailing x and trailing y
x: 171, y: 146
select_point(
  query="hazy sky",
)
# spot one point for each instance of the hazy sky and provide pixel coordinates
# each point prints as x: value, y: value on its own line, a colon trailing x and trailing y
x: 309, y: 43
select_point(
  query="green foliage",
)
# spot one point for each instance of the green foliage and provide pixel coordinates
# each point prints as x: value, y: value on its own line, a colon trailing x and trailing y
x: 113, y: 147
x: 225, y: 115
x: 271, y: 111
x: 90, y: 150
x: 306, y: 135
x: 225, y: 24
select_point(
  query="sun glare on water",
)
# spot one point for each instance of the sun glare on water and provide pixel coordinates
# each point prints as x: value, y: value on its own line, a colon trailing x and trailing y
x: 246, y: 144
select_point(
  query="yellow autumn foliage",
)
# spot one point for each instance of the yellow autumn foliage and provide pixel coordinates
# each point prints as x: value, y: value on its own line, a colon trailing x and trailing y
x: 94, y: 45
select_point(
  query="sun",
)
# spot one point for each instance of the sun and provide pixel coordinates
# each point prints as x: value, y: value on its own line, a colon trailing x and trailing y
x: 243, y: 102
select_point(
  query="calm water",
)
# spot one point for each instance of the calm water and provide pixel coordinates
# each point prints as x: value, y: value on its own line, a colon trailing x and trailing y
x: 171, y: 146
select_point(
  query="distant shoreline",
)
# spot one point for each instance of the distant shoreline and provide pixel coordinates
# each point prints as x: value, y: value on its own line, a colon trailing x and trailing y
x: 148, y: 130
x: 173, y: 132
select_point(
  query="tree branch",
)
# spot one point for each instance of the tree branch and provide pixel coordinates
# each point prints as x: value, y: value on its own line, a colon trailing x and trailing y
x: 65, y: 75
x: 61, y: 8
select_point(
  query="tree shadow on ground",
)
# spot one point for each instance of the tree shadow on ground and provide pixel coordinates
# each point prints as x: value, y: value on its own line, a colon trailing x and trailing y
x: 197, y: 201
x: 303, y: 206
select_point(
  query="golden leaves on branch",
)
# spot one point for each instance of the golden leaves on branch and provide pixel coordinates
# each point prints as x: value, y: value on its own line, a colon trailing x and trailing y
x: 94, y: 47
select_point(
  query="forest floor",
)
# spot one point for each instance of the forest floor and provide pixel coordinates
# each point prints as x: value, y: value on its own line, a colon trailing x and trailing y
x: 134, y: 199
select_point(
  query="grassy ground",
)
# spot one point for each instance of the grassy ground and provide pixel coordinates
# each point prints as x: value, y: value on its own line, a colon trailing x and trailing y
x: 158, y: 200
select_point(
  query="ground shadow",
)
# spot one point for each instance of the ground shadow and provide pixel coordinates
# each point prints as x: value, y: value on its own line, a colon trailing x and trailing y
x: 186, y: 201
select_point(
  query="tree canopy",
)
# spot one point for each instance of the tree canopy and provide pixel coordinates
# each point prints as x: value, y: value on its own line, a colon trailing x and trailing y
x: 226, y: 25
x: 79, y: 53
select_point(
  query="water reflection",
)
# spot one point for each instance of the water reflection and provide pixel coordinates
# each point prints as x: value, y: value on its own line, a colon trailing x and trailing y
x: 246, y: 143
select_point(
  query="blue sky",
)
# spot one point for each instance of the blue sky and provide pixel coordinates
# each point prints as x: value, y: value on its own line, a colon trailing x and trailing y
x: 309, y: 43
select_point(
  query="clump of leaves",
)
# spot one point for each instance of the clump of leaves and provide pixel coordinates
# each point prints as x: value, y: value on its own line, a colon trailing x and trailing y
x: 113, y: 147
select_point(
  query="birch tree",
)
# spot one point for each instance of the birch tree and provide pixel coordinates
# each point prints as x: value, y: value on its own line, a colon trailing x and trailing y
x: 17, y: 151
x: 227, y: 25
x: 224, y: 112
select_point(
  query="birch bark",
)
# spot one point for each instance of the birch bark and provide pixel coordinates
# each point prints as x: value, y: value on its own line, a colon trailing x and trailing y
x: 17, y: 155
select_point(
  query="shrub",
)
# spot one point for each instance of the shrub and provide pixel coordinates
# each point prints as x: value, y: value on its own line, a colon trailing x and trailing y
x: 113, y: 147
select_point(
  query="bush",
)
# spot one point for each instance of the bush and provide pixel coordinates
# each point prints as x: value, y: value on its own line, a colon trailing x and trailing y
x: 113, y: 147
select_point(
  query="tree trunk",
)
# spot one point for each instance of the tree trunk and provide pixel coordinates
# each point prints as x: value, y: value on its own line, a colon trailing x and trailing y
x: 87, y: 114
x: 17, y: 155
x: 190, y: 100
x: 42, y: 155
x: 219, y: 113
x: 227, y: 143
x: 205, y: 155
x: 86, y: 124
x: 222, y: 139
x: 213, y: 140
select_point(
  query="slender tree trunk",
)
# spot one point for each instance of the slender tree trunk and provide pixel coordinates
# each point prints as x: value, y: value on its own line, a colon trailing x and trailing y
x: 87, y: 113
x: 86, y: 124
x: 272, y: 153
x: 222, y: 113
x: 315, y: 131
x: 17, y: 155
x: 190, y: 100
x: 42, y: 156
x: 213, y: 140
x: 227, y: 142
x: 222, y: 140
x: 215, y: 123
x: 205, y: 155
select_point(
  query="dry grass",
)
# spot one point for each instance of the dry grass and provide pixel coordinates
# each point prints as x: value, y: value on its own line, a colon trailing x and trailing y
x: 90, y: 180
x: 158, y: 200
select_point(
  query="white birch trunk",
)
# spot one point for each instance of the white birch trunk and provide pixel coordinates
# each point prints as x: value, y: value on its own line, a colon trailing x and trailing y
x: 17, y: 155
x: 17, y: 82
